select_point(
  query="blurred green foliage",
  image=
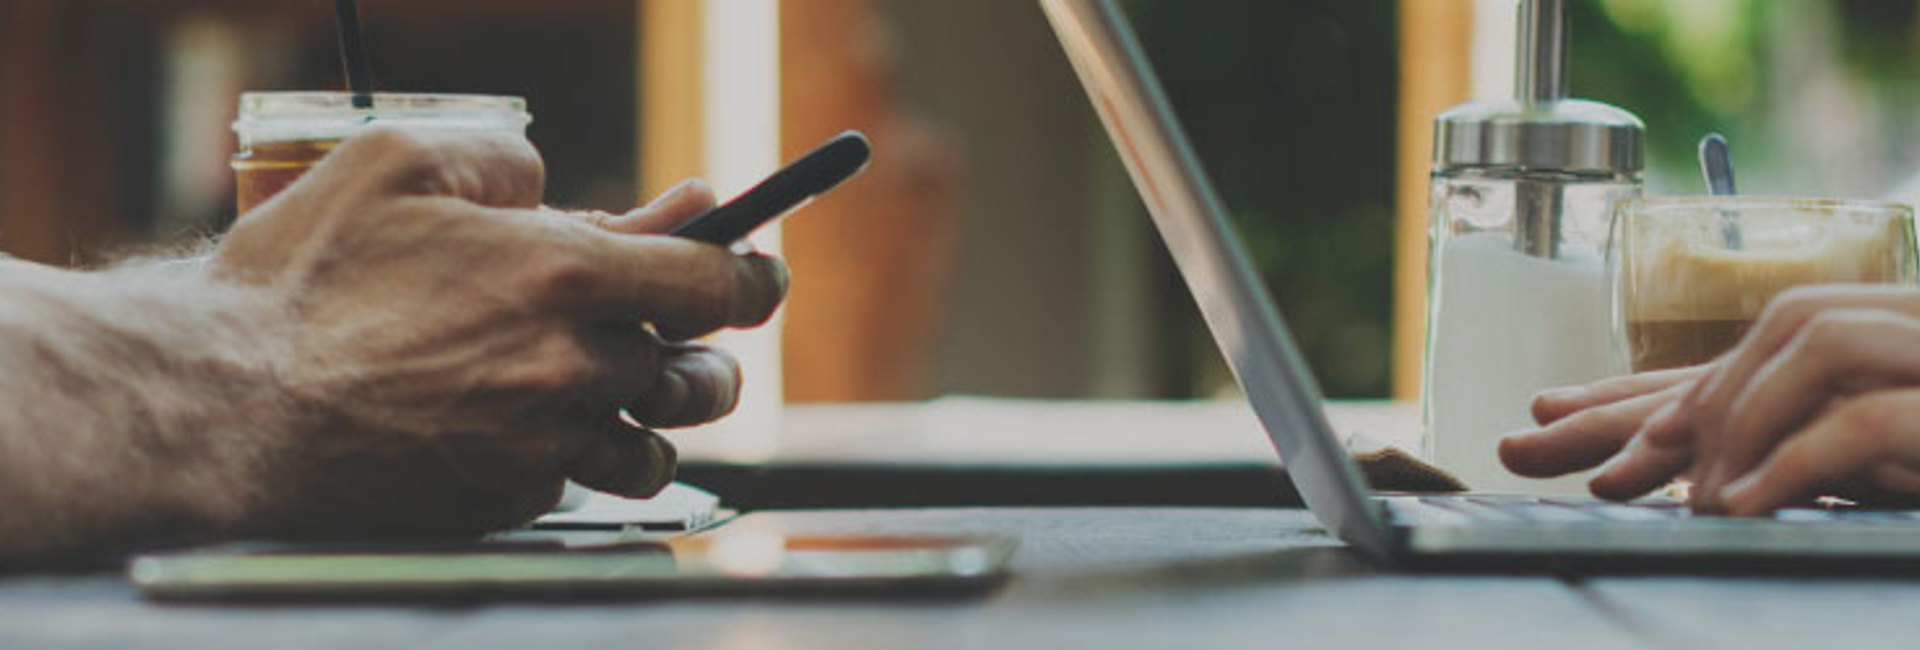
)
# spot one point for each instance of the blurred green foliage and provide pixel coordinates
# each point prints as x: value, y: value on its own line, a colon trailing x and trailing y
x: 1686, y: 68
x: 1717, y: 65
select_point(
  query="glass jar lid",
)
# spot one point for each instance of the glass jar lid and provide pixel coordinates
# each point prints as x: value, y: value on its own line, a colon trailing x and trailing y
x: 1571, y: 135
x: 319, y: 115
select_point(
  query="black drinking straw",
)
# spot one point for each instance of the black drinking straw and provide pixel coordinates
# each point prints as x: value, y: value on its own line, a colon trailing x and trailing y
x: 352, y: 54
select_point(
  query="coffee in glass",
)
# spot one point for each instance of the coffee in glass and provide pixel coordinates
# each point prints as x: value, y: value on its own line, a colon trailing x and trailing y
x: 1692, y: 274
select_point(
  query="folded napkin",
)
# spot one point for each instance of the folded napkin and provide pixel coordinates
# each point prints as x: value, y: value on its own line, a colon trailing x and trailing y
x: 1387, y: 467
x: 679, y: 507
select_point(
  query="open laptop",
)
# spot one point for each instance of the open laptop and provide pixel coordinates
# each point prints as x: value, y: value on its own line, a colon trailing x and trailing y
x: 1445, y: 531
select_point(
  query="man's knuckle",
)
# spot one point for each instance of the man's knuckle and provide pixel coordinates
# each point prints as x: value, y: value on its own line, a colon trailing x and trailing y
x: 756, y: 290
x: 718, y: 288
x: 508, y: 170
x: 564, y: 374
x: 558, y: 279
x: 731, y: 366
x: 525, y: 160
x: 558, y: 365
x: 395, y: 143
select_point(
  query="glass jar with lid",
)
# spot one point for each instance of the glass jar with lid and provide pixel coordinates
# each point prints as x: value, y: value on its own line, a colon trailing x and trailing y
x: 1520, y: 199
x: 283, y: 134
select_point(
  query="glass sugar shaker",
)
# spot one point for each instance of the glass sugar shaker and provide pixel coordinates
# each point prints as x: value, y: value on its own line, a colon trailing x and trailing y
x: 1520, y: 198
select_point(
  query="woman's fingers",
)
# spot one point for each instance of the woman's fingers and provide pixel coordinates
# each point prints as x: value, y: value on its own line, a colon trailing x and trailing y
x: 1555, y: 403
x: 1835, y: 354
x: 1672, y: 425
x: 1583, y: 439
x: 1704, y: 409
x: 1643, y: 467
x: 1848, y: 440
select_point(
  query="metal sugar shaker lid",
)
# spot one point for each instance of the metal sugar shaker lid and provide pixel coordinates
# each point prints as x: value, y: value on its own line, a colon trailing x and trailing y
x: 1540, y: 129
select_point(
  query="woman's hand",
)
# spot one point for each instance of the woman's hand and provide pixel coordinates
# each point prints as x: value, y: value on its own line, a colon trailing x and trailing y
x: 1822, y: 396
x: 1584, y: 426
x: 1788, y: 413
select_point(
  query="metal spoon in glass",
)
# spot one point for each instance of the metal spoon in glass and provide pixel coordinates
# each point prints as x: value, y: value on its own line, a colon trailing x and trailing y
x: 1718, y: 168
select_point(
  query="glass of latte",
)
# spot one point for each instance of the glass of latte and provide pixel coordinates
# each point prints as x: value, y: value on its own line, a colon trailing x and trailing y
x: 1691, y: 274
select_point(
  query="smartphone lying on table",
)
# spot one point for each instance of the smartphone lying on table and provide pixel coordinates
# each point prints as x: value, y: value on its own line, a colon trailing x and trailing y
x: 745, y: 562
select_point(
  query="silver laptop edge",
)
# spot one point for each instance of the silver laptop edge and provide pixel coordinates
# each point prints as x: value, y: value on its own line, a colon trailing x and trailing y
x: 1217, y: 270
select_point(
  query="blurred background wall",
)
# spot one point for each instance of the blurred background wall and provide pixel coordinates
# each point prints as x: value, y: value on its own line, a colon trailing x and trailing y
x: 997, y: 247
x: 114, y: 114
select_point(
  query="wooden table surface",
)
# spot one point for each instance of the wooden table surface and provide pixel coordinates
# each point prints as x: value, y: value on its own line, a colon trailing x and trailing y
x: 1084, y: 578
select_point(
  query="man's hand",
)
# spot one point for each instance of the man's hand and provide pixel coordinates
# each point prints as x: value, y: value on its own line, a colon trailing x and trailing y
x: 402, y: 343
x: 464, y: 350
x: 1822, y: 396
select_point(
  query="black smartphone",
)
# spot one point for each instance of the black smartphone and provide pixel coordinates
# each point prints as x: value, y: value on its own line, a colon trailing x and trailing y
x: 784, y: 191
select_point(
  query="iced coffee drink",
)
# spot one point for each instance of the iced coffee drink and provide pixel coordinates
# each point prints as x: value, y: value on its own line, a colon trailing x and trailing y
x: 1692, y: 274
x: 282, y: 134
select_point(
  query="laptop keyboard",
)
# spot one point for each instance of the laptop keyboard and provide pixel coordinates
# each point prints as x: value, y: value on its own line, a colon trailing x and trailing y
x: 1455, y: 509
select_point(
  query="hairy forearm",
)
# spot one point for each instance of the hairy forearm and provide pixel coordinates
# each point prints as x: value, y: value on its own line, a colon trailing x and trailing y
x: 135, y: 404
